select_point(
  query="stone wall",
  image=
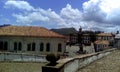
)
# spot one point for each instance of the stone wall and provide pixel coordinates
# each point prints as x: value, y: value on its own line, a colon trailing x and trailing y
x: 74, y: 64
x: 22, y: 57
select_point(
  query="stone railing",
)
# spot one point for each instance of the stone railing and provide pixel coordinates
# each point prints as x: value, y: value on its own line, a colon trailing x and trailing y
x: 8, y: 56
x: 74, y: 64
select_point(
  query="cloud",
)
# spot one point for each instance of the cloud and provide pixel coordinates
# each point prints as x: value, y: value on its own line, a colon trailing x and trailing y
x: 105, y: 12
x: 70, y: 13
x: 19, y: 5
x: 30, y: 17
x: 96, y: 15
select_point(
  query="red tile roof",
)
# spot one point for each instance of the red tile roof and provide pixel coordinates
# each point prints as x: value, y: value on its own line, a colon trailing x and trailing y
x: 104, y: 34
x: 102, y: 42
x: 30, y: 31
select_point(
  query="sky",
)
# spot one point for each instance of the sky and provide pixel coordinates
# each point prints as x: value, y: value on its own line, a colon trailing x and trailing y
x: 101, y: 15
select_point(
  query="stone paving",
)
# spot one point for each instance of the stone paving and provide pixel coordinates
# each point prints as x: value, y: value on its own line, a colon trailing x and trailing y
x: 110, y: 63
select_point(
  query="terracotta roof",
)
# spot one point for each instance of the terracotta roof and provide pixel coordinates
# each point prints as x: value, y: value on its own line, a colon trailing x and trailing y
x: 31, y: 31
x: 102, y: 42
x: 104, y: 34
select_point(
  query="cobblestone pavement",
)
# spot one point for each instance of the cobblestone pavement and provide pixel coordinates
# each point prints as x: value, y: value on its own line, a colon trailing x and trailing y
x: 110, y: 63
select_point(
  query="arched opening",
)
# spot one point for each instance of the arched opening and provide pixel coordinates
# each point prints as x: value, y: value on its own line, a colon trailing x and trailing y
x: 41, y: 47
x: 59, y: 47
x: 20, y: 46
x: 48, y: 47
x: 33, y: 46
x: 5, y: 45
x: 15, y: 46
x: 1, y: 45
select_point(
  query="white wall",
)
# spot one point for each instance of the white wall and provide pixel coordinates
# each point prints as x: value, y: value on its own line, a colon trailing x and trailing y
x: 25, y: 40
x: 22, y: 57
x: 89, y: 49
x: 74, y: 64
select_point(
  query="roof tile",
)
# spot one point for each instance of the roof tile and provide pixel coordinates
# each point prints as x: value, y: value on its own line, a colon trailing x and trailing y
x: 28, y: 31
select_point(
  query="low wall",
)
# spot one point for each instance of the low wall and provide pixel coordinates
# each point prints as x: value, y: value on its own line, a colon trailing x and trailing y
x: 74, y: 64
x: 6, y: 56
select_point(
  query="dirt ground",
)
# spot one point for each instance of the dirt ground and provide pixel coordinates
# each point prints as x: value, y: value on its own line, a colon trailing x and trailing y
x: 20, y: 67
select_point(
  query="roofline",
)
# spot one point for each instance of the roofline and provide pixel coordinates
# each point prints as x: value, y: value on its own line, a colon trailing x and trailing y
x: 31, y: 36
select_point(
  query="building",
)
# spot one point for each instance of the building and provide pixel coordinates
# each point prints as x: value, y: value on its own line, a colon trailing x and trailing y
x: 67, y: 32
x: 86, y: 40
x: 117, y: 41
x: 30, y: 39
x: 103, y: 41
x: 101, y: 45
x: 105, y: 36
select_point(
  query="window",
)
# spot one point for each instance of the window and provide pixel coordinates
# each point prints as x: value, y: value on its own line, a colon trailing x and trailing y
x: 48, y: 47
x: 59, y: 47
x: 31, y: 46
x: 15, y: 45
x: 41, y: 47
x: 28, y: 47
x: 3, y: 45
x: 20, y: 46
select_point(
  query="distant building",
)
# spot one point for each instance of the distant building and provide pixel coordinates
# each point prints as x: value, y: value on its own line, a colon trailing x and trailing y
x: 67, y: 32
x: 103, y: 41
x: 105, y: 36
x: 30, y: 39
x: 101, y: 45
x: 117, y: 41
x: 86, y: 40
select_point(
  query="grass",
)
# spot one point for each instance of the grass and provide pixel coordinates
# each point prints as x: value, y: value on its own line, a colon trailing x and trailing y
x: 20, y: 67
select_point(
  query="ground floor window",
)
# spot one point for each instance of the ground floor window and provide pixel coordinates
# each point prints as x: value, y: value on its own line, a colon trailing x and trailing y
x: 28, y: 47
x: 3, y: 45
x: 31, y: 46
x: 41, y: 47
x: 48, y: 47
x: 59, y: 47
x: 17, y: 46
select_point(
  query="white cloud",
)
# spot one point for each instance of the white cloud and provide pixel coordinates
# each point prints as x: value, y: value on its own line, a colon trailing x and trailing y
x: 104, y: 13
x: 30, y: 17
x: 96, y: 15
x: 19, y: 4
x: 70, y: 13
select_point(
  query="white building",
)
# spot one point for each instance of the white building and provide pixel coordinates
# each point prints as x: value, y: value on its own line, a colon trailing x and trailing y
x: 117, y: 41
x: 29, y: 39
x: 101, y: 45
x: 105, y: 36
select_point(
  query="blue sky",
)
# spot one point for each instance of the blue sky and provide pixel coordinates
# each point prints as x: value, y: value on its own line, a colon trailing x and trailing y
x: 90, y: 14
